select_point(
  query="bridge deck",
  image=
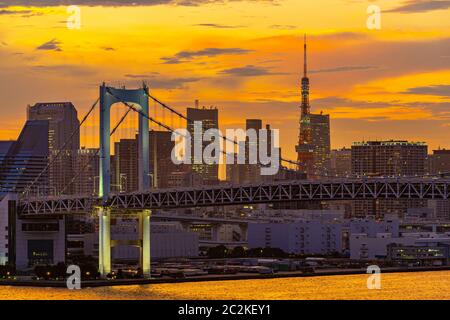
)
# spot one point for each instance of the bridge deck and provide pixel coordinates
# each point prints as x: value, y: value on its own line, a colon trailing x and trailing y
x: 226, y: 195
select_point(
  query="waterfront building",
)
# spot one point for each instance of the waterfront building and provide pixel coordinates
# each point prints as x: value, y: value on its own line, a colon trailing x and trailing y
x: 422, y: 246
x: 25, y: 243
x: 316, y: 232
x: 168, y: 240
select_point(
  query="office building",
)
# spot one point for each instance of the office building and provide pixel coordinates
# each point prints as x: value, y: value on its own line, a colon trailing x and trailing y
x: 419, y: 248
x: 168, y: 240
x: 251, y: 172
x: 63, y: 141
x: 86, y: 166
x: 341, y: 162
x: 161, y: 164
x: 126, y: 161
x: 208, y: 173
x: 126, y: 164
x: 439, y: 162
x: 63, y: 122
x: 23, y: 160
x: 391, y: 158
x: 320, y: 233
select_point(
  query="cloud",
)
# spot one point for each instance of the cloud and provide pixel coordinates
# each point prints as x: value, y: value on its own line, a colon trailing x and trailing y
x: 52, y: 45
x: 282, y: 27
x: 414, y: 6
x: 436, y: 90
x: 185, y: 56
x: 114, y: 3
x: 158, y: 82
x: 64, y: 69
x: 248, y: 71
x: 344, y: 69
x: 7, y: 12
x: 218, y: 26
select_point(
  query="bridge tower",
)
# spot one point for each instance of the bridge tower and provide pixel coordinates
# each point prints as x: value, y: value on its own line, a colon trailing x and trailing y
x: 139, y: 99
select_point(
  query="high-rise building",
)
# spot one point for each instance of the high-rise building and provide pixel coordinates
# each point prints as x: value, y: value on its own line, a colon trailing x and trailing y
x: 23, y: 160
x: 125, y: 165
x: 313, y: 149
x: 387, y: 159
x: 86, y: 163
x: 439, y: 162
x: 161, y: 146
x: 341, y: 162
x: 63, y: 122
x: 251, y: 172
x: 240, y: 173
x: 208, y: 173
x: 63, y: 141
x: 164, y: 173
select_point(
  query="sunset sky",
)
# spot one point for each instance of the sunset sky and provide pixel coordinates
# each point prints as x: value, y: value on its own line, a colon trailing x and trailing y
x: 245, y: 57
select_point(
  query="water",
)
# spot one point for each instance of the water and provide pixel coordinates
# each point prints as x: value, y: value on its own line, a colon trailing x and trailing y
x: 420, y: 285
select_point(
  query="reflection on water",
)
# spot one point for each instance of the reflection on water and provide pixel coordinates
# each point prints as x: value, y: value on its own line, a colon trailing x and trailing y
x: 420, y: 285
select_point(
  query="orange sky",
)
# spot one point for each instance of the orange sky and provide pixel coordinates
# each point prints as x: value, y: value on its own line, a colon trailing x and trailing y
x: 245, y: 57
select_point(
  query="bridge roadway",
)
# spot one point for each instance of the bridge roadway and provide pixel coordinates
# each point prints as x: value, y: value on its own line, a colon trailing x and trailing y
x: 227, y: 195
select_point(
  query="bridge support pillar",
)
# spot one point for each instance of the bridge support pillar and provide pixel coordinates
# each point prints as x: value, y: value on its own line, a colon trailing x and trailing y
x: 144, y: 232
x: 104, y: 241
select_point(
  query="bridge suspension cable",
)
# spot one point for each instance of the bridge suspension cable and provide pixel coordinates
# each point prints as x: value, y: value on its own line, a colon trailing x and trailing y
x: 180, y: 115
x: 122, y: 119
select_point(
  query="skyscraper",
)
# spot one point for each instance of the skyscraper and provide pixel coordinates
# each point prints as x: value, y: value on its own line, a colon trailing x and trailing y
x: 161, y: 164
x: 125, y: 165
x: 246, y: 172
x: 388, y: 159
x: 439, y: 162
x: 341, y: 162
x: 63, y: 139
x: 63, y: 121
x: 23, y: 160
x: 209, y: 173
x: 313, y: 149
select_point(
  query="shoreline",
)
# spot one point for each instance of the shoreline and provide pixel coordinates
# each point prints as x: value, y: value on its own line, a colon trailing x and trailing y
x: 240, y: 276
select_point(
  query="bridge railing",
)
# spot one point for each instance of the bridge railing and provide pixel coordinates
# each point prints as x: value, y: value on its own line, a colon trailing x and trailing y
x: 225, y: 195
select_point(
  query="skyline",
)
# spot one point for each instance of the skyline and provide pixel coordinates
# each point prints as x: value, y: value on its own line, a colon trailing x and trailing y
x: 385, y: 84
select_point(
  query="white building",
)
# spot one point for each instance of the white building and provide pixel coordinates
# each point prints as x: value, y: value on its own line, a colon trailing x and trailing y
x: 372, y: 227
x: 4, y: 232
x: 39, y: 242
x: 29, y: 242
x: 168, y: 240
x: 317, y: 232
x: 363, y: 246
